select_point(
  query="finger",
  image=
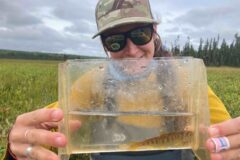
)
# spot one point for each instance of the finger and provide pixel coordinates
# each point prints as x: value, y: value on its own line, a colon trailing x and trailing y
x: 226, y: 155
x: 219, y: 144
x: 37, y: 152
x: 233, y: 141
x: 39, y: 116
x: 39, y: 137
x: 44, y: 137
x: 49, y: 125
x: 41, y: 153
x: 74, y: 125
x: 17, y: 151
x: 226, y: 128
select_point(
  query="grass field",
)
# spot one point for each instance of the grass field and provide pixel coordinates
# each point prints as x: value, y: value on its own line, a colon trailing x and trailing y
x: 27, y: 85
x: 225, y: 82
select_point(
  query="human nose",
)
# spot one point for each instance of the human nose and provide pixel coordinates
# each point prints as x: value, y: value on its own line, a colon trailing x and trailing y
x: 131, y: 49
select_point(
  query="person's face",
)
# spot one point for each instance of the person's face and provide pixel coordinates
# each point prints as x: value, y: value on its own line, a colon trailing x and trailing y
x: 132, y: 50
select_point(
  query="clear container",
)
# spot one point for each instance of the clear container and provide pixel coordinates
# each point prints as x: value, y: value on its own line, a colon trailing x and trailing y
x: 134, y: 105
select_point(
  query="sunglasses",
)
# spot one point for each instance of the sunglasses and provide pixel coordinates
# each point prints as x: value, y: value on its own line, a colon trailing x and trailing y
x: 139, y: 36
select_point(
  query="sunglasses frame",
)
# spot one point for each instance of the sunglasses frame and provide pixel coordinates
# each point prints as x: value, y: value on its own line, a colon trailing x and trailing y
x: 126, y: 36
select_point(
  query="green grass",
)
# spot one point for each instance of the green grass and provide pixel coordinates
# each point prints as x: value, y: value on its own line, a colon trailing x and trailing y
x: 26, y: 85
x: 225, y: 83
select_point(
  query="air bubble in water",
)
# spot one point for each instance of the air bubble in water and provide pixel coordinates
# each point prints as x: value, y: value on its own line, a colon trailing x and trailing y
x: 131, y: 84
x: 160, y: 87
x: 101, y: 67
x: 110, y: 81
x: 185, y: 61
x: 165, y: 108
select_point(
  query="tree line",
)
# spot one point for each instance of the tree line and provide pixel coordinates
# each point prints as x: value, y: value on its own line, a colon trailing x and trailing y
x: 212, y: 51
x: 12, y: 54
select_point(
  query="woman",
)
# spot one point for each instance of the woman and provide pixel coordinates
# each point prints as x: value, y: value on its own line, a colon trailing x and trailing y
x: 119, y: 22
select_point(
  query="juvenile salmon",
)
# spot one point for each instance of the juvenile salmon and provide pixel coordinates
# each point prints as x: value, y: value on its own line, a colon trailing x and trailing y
x: 168, y: 140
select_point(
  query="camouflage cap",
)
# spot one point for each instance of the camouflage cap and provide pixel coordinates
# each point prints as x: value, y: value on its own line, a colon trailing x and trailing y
x: 112, y: 13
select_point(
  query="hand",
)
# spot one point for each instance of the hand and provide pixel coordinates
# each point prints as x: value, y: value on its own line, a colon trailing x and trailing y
x: 231, y: 130
x: 33, y: 129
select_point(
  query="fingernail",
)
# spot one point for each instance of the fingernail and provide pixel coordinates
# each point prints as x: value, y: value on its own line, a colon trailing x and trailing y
x: 214, y: 132
x: 59, y: 141
x: 211, y: 145
x: 55, y: 114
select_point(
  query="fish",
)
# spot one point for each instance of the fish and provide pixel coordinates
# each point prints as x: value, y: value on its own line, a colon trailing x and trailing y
x: 166, y: 140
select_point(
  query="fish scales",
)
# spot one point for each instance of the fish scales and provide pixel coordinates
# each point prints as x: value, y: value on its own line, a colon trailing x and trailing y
x: 181, y: 138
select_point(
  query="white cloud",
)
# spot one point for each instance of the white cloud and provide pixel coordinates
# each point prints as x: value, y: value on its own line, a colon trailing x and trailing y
x: 67, y: 26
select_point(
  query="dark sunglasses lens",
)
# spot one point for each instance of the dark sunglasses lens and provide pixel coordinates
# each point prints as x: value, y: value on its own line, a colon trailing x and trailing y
x: 141, y: 36
x: 115, y: 43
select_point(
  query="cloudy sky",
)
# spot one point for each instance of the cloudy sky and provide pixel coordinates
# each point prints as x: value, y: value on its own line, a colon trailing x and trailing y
x: 67, y: 26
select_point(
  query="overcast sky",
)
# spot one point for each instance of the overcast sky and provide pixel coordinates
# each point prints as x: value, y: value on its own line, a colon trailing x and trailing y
x: 67, y: 26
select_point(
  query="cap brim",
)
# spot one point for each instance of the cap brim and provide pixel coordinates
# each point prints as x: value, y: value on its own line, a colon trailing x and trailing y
x: 125, y: 21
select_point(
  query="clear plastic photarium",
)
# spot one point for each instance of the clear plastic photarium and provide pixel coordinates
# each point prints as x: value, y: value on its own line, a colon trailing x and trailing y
x: 134, y: 105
